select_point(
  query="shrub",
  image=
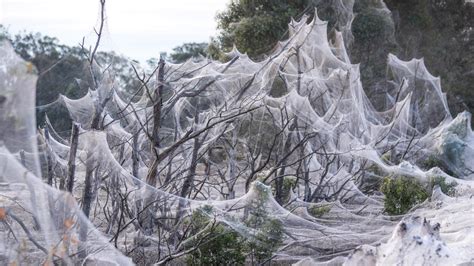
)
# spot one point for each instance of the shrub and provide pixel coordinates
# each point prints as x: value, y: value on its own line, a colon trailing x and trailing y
x: 269, y: 236
x: 447, y: 188
x: 288, y: 184
x: 371, y: 180
x: 401, y: 194
x: 435, y: 161
x: 319, y: 211
x: 266, y: 241
x: 368, y: 26
x: 219, y: 244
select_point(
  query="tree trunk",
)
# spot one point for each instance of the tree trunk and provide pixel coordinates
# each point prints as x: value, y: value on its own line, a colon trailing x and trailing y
x: 71, y: 164
x: 157, y: 105
x: 87, y: 193
x: 135, y: 158
x: 49, y: 160
x: 188, y: 182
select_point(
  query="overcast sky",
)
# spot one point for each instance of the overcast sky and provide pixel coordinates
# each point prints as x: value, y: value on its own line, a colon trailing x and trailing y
x: 139, y: 29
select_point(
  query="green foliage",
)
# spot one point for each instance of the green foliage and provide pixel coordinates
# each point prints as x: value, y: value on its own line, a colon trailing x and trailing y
x: 289, y: 182
x: 121, y: 67
x: 255, y: 26
x: 219, y: 246
x: 214, y: 50
x: 64, y: 70
x: 440, y: 32
x: 386, y: 157
x: 401, y: 194
x: 270, y: 230
x: 188, y: 50
x: 59, y: 67
x: 447, y: 188
x: 369, y: 26
x: 370, y: 180
x: 375, y: 170
x: 319, y: 211
x: 266, y: 241
x: 434, y: 161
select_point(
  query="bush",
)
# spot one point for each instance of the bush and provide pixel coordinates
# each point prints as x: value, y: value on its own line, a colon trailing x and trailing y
x: 220, y: 245
x: 434, y: 161
x: 319, y: 211
x: 370, y: 181
x: 446, y: 188
x: 265, y: 243
x: 288, y: 184
x: 368, y: 26
x: 401, y: 194
x: 269, y: 236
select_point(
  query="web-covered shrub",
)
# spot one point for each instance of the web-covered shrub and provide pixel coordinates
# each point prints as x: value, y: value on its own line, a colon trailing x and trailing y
x: 216, y: 244
x: 401, y: 194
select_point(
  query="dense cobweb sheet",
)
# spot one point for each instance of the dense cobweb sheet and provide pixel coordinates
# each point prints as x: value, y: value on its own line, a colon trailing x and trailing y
x: 40, y: 224
x: 228, y: 133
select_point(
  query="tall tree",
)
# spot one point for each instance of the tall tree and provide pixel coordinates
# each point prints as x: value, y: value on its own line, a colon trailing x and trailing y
x: 441, y: 31
x: 189, y: 50
x: 255, y: 26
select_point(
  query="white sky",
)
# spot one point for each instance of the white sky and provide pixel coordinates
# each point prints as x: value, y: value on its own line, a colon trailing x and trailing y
x: 140, y: 29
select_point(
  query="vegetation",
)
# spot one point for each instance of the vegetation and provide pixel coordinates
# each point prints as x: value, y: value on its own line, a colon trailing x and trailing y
x: 219, y: 244
x: 255, y: 26
x: 437, y: 30
x: 434, y: 161
x: 447, y: 188
x: 262, y: 246
x: 269, y: 230
x: 64, y: 70
x: 370, y: 181
x: 188, y: 50
x: 319, y: 211
x: 440, y: 31
x: 289, y: 183
x: 401, y: 194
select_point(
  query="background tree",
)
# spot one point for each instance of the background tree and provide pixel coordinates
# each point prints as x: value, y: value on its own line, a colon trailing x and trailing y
x: 254, y: 26
x: 441, y: 31
x: 188, y: 50
x: 64, y: 70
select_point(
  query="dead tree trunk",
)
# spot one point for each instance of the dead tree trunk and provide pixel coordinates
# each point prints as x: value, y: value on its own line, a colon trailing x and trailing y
x: 146, y: 218
x: 87, y: 193
x: 232, y: 166
x: 188, y: 182
x: 43, y: 141
x: 22, y: 158
x: 279, y: 180
x: 157, y: 106
x: 135, y: 158
x: 49, y: 160
x: 71, y: 164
